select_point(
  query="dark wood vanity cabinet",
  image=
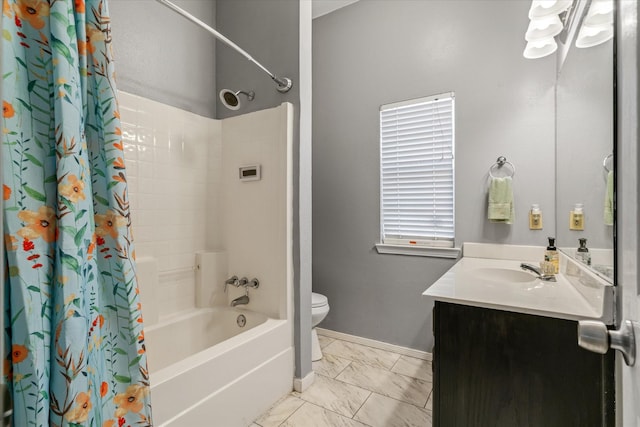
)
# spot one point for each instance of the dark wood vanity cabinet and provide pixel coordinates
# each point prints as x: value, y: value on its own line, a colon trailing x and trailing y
x: 496, y: 368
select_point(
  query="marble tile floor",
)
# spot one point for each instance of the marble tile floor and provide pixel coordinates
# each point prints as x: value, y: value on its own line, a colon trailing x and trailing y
x: 358, y: 386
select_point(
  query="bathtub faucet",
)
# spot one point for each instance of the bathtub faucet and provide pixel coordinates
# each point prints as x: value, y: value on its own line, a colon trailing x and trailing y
x: 244, y: 282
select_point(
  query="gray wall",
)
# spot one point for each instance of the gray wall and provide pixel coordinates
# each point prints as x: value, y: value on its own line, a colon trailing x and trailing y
x: 584, y: 105
x: 376, y: 52
x: 162, y: 56
x: 268, y: 31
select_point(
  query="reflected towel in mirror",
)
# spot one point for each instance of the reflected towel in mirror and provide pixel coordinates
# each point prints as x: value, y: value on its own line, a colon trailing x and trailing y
x: 608, y: 200
x: 500, y: 208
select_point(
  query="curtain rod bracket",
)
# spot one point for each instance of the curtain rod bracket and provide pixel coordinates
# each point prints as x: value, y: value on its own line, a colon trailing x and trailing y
x: 284, y: 84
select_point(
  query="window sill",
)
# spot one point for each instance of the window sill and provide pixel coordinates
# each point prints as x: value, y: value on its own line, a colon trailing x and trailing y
x: 427, y: 251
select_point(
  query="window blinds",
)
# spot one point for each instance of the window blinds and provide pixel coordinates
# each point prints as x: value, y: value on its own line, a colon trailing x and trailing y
x: 416, y: 171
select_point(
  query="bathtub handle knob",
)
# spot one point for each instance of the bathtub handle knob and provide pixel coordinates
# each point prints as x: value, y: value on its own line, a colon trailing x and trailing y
x: 233, y: 280
x: 243, y: 282
x: 254, y: 283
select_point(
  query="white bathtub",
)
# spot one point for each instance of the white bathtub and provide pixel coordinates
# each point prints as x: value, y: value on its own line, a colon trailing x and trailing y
x: 208, y: 371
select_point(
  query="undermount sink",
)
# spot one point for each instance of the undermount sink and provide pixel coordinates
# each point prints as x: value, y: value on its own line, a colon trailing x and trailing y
x: 503, y: 275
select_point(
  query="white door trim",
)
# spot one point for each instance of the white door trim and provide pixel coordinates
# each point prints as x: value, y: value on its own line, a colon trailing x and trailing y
x: 627, y: 215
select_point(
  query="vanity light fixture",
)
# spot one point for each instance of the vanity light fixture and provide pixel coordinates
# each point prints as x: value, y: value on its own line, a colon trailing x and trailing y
x: 540, y: 48
x: 544, y: 8
x: 545, y: 24
x: 590, y: 36
x: 597, y: 27
x: 549, y: 17
x: 542, y: 28
x: 600, y: 13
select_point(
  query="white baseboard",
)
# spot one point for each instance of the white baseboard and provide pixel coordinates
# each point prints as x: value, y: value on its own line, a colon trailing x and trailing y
x: 301, y: 384
x: 376, y: 344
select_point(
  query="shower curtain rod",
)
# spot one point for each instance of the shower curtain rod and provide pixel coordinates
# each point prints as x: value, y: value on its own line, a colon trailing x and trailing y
x: 284, y: 83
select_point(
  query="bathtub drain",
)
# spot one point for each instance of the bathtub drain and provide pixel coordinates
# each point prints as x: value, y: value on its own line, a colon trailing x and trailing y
x: 241, y: 320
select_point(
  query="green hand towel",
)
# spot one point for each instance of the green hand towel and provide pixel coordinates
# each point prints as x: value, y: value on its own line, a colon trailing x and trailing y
x: 501, y: 201
x: 608, y: 200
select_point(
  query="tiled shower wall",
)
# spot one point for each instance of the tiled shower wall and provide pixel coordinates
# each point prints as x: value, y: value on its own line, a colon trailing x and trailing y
x: 173, y: 161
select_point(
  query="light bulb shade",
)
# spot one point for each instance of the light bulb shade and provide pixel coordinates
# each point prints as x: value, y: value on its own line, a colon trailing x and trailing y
x: 593, y: 35
x: 600, y: 13
x: 542, y: 28
x: 540, y: 48
x: 542, y: 8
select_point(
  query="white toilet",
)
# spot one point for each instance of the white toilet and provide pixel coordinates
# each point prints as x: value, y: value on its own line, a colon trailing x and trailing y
x: 319, y: 310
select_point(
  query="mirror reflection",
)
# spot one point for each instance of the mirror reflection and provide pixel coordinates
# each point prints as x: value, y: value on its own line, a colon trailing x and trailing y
x: 584, y: 154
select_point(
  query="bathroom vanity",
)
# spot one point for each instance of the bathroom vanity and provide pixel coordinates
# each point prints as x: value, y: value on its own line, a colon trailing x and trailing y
x: 506, y: 351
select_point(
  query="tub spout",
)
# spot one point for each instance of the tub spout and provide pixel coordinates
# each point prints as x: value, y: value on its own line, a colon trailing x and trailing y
x: 244, y: 299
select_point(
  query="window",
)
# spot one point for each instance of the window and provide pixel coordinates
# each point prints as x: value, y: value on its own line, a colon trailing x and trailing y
x: 416, y: 172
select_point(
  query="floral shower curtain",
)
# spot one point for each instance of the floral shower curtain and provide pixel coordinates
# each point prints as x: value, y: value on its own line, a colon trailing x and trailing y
x: 75, y: 343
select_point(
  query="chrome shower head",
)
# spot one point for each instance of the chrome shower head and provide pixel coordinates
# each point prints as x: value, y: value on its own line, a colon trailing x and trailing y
x: 231, y: 100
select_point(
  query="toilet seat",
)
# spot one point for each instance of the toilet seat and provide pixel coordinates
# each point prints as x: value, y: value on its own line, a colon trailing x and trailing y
x: 318, y: 300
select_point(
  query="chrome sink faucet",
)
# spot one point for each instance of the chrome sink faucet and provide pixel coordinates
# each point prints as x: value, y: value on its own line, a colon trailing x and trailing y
x: 538, y: 272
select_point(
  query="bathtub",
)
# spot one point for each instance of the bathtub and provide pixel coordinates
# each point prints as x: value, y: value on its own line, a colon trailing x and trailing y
x: 217, y: 367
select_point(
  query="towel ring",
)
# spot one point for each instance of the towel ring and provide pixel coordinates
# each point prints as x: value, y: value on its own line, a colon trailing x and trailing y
x: 500, y: 162
x: 604, y: 162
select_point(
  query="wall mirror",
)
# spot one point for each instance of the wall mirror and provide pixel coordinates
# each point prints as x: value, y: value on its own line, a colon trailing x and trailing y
x: 584, y: 150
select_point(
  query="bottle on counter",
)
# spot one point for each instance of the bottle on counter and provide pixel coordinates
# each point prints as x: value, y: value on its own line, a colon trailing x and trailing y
x: 582, y: 254
x: 551, y: 255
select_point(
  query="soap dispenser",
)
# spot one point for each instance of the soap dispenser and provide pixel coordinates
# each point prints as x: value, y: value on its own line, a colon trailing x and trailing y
x: 551, y: 255
x: 576, y: 217
x: 535, y: 217
x: 582, y: 254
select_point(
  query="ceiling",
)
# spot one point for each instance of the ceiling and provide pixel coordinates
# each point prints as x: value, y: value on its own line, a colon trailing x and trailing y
x: 322, y: 7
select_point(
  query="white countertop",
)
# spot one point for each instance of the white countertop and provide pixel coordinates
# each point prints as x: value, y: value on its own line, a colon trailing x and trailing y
x: 575, y: 295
